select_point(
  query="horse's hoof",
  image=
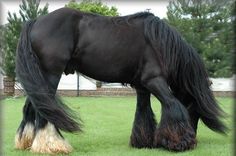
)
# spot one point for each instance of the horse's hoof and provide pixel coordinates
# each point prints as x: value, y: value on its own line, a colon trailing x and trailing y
x: 175, y: 138
x: 138, y: 142
x: 26, y: 139
x: 48, y: 141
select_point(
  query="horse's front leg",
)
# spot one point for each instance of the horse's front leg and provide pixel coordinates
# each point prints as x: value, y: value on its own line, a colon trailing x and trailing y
x: 175, y: 131
x: 190, y: 105
x: 144, y: 123
x: 194, y: 116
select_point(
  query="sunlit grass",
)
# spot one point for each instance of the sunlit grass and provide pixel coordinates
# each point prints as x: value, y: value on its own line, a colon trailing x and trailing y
x: 107, y: 127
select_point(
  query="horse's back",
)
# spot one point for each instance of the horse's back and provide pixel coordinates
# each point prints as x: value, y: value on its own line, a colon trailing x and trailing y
x: 109, y: 48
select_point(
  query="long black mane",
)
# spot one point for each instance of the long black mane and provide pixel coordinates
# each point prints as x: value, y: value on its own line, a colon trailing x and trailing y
x: 127, y: 18
x: 182, y: 66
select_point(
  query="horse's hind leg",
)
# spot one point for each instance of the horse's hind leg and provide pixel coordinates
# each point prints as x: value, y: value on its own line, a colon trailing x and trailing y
x: 25, y: 133
x: 48, y: 138
x: 144, y: 123
x: 174, y: 131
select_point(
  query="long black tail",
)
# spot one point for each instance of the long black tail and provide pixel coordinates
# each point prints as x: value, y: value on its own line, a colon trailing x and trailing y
x: 39, y: 91
x: 184, y: 68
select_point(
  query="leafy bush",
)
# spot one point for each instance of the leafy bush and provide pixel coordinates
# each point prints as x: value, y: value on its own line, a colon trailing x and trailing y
x: 93, y: 7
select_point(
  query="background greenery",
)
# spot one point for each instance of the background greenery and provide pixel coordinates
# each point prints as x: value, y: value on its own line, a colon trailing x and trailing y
x: 208, y: 26
x: 94, y: 7
x: 29, y: 9
x: 1, y: 47
x: 107, y: 128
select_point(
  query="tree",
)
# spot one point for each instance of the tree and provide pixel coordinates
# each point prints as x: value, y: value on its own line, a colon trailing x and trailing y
x: 1, y: 47
x: 29, y: 9
x: 93, y: 7
x: 10, y: 43
x: 207, y: 26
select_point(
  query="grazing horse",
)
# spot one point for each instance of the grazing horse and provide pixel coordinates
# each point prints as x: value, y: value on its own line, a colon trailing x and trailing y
x: 140, y: 50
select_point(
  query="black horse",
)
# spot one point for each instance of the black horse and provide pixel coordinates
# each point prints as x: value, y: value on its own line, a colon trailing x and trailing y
x: 140, y: 50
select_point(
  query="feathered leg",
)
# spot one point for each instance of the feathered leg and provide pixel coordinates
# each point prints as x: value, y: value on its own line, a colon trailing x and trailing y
x: 144, y: 123
x: 25, y: 133
x: 48, y: 138
x: 175, y: 131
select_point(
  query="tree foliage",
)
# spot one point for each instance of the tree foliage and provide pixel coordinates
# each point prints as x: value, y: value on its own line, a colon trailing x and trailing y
x: 29, y: 9
x: 207, y: 25
x: 10, y: 40
x: 1, y: 47
x: 94, y: 7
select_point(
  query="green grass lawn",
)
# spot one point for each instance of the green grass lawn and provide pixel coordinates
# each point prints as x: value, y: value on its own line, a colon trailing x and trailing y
x: 107, y: 127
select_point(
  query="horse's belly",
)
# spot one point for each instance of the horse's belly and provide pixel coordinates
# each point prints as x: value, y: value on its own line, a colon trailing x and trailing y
x: 107, y: 71
x: 108, y: 68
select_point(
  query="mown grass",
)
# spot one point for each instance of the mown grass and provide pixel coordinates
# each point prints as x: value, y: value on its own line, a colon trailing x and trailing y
x: 107, y: 127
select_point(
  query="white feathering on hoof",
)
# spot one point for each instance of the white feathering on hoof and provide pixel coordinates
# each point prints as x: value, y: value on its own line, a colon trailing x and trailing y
x: 26, y: 139
x: 47, y: 140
